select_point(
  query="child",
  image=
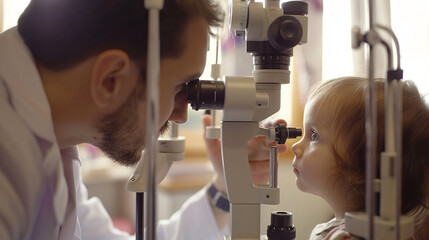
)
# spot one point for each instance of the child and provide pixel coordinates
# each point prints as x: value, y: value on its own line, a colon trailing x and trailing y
x: 330, y: 158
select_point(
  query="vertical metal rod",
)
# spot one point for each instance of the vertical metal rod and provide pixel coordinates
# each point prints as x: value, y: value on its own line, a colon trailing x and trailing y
x: 370, y: 149
x: 371, y: 14
x: 387, y: 207
x: 213, y: 112
x: 273, y: 167
x: 387, y: 192
x: 174, y: 129
x: 398, y: 135
x: 139, y: 216
x: 1, y: 14
x: 152, y: 119
x: 371, y: 127
x: 398, y: 162
x: 217, y: 48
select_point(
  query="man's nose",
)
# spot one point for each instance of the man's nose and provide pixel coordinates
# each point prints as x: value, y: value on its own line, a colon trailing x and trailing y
x: 180, y: 110
x: 179, y: 114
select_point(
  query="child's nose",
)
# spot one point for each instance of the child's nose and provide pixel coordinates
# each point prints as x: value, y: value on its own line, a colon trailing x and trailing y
x: 296, y: 150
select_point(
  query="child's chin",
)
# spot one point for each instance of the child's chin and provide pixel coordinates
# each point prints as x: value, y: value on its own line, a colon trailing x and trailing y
x: 299, y: 185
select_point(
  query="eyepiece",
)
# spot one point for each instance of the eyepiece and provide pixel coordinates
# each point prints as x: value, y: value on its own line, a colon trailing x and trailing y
x: 285, y: 32
x: 294, y: 132
x: 283, y: 133
x: 206, y: 94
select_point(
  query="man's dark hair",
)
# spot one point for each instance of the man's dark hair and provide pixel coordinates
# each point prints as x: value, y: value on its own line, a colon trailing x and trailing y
x: 62, y: 33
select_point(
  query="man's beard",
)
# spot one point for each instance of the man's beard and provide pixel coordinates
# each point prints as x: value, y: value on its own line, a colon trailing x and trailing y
x: 122, y: 140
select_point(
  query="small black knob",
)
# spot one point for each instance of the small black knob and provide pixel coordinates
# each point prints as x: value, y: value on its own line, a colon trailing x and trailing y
x: 281, y: 227
x: 295, y: 8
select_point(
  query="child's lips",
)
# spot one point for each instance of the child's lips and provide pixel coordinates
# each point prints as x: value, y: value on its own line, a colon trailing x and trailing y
x: 295, y: 170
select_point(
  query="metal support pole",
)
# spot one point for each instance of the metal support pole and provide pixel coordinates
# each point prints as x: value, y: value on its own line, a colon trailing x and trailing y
x: 152, y: 119
x: 273, y: 167
x: 139, y: 216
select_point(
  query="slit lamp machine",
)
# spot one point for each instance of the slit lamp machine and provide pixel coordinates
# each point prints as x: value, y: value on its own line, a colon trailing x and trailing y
x: 271, y: 32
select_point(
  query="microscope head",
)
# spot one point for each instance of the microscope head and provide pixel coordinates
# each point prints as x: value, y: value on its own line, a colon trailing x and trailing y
x: 270, y: 34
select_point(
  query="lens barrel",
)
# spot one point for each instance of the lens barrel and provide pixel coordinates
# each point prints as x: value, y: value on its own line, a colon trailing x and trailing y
x: 206, y: 94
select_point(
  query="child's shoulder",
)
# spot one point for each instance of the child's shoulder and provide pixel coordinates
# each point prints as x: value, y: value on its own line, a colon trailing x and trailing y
x: 323, y: 229
x: 332, y: 230
x: 339, y: 233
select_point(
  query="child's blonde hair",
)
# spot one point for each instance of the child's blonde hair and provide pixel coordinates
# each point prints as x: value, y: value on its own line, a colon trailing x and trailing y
x: 344, y: 101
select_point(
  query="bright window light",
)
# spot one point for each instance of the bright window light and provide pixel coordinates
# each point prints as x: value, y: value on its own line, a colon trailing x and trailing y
x: 410, y: 22
x: 12, y: 9
x: 336, y: 47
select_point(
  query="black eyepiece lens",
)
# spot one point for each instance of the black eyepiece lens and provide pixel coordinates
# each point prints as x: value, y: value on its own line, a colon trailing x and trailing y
x: 206, y: 94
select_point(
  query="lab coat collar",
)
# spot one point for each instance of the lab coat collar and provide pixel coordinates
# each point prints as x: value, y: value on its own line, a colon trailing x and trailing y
x: 25, y: 85
x: 70, y: 156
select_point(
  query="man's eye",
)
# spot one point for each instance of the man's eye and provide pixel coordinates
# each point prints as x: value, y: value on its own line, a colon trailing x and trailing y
x: 314, y: 136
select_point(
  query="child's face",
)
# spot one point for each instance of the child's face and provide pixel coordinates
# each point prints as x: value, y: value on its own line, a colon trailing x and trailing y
x: 314, y: 163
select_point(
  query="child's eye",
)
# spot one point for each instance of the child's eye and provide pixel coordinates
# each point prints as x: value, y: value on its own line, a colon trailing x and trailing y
x: 314, y: 136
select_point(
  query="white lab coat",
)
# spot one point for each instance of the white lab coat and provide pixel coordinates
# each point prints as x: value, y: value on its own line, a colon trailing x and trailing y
x: 41, y: 191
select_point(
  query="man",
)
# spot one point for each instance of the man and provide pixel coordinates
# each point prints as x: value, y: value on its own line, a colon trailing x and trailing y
x: 73, y: 71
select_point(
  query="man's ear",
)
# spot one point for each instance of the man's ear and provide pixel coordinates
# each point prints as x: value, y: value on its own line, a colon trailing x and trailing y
x: 111, y: 80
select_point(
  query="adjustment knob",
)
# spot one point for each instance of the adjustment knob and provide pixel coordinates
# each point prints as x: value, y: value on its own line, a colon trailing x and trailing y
x: 357, y: 38
x: 281, y: 227
x: 295, y: 8
x: 238, y: 12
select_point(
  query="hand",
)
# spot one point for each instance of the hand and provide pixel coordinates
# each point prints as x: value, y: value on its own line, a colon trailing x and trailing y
x: 257, y: 148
